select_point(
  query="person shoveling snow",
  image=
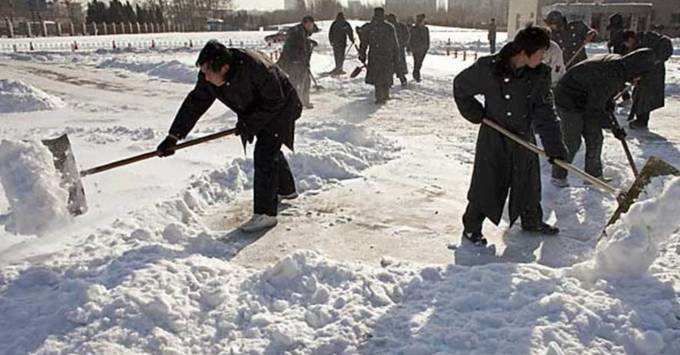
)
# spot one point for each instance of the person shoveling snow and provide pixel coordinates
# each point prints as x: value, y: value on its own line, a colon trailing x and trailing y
x: 267, y: 106
x: 32, y: 185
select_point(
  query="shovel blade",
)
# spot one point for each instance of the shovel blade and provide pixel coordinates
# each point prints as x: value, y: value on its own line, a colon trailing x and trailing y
x: 356, y: 72
x: 653, y: 168
x: 65, y: 163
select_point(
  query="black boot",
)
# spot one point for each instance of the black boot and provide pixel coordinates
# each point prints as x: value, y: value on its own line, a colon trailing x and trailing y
x: 476, y: 238
x: 541, y: 228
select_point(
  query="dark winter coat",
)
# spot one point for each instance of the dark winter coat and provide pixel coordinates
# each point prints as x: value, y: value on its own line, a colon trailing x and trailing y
x: 521, y: 101
x: 296, y: 48
x: 420, y: 39
x: 379, y: 38
x: 339, y: 33
x: 403, y: 37
x: 570, y: 38
x: 650, y: 92
x: 255, y: 89
x: 589, y: 86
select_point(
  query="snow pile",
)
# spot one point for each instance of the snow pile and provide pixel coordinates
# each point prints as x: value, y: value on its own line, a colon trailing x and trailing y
x: 17, y: 96
x: 327, y: 153
x: 337, y: 151
x: 173, y: 70
x: 158, y: 298
x: 632, y: 243
x: 32, y: 186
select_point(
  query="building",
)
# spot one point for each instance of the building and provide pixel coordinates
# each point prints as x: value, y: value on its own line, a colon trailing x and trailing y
x: 640, y: 15
x: 290, y: 5
x: 406, y: 8
x: 479, y: 12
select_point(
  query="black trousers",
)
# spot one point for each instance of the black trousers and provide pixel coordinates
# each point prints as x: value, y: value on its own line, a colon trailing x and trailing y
x: 382, y: 92
x: 643, y: 117
x: 418, y: 58
x: 473, y: 218
x: 492, y: 45
x: 339, y: 54
x: 272, y: 174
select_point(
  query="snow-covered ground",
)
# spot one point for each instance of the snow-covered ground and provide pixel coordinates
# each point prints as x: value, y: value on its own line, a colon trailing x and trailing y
x: 367, y: 260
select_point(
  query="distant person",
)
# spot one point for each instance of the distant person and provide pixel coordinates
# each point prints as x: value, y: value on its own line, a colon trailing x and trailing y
x: 516, y: 90
x: 492, y: 36
x: 571, y: 36
x: 584, y: 102
x: 403, y: 38
x: 339, y: 33
x: 380, y: 51
x: 419, y: 44
x: 267, y: 107
x: 650, y: 91
x: 296, y: 56
x: 616, y: 29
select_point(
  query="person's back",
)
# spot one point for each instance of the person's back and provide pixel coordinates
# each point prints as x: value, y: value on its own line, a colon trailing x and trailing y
x: 339, y: 32
x: 593, y: 75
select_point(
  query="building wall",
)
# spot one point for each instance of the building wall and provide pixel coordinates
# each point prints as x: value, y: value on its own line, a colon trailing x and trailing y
x: 521, y: 12
x: 290, y: 4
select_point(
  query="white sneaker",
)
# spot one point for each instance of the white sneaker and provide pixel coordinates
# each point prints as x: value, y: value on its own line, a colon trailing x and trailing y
x: 561, y: 183
x: 292, y: 196
x: 258, y: 223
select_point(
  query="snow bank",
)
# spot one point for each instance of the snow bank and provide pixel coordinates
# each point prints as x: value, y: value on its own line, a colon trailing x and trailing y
x: 17, y: 96
x: 325, y: 153
x: 161, y: 299
x: 632, y: 243
x: 32, y: 186
x: 173, y: 70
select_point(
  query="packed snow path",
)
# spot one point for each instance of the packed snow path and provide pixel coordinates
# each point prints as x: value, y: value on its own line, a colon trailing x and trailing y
x: 156, y: 266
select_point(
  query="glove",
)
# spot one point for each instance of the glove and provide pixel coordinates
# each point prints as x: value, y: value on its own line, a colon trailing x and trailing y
x: 243, y: 131
x: 619, y: 133
x: 167, y: 146
x: 625, y: 96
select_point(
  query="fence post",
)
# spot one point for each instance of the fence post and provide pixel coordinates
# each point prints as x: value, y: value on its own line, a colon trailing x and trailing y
x: 43, y: 26
x: 59, y: 29
x: 10, y: 28
x: 105, y: 28
x: 29, y: 30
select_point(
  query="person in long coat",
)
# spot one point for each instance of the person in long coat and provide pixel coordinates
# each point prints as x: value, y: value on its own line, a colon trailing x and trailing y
x: 419, y: 44
x: 650, y: 91
x: 267, y: 107
x: 616, y: 30
x: 571, y: 37
x: 584, y: 102
x: 517, y: 95
x: 295, y: 57
x: 339, y: 33
x: 403, y: 38
x: 491, y: 36
x: 380, y: 51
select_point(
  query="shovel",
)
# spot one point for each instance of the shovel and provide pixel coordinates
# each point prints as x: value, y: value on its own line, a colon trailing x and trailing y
x: 317, y: 87
x: 358, y: 69
x: 65, y: 162
x: 653, y: 168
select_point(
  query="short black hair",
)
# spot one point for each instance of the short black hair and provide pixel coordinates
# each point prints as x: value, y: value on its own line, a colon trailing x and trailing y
x: 307, y: 18
x: 216, y: 54
x: 531, y: 39
x: 629, y: 34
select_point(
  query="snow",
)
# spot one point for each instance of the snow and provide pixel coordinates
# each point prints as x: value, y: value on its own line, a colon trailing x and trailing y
x: 32, y: 187
x: 632, y: 243
x: 358, y: 263
x: 17, y: 96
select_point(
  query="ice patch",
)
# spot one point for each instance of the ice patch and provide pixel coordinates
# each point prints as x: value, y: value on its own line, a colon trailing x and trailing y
x: 632, y: 243
x: 17, y: 96
x: 32, y: 186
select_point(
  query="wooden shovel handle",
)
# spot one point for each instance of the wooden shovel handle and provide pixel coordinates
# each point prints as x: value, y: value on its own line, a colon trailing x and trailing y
x: 561, y: 163
x: 154, y: 153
